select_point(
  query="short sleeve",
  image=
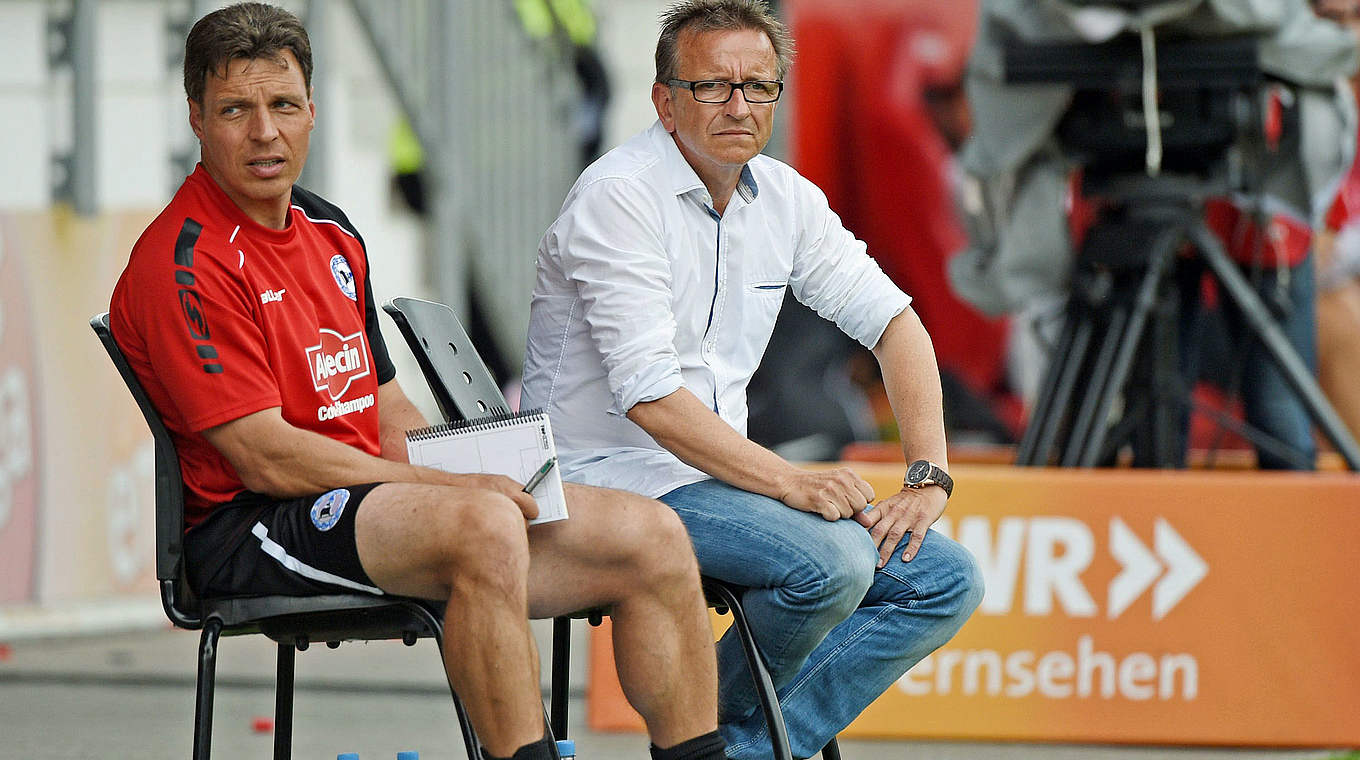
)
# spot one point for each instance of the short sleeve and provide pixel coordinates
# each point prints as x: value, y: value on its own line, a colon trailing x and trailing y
x: 199, y: 337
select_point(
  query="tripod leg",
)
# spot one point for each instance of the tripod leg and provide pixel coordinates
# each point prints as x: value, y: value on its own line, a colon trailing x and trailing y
x: 1115, y: 335
x: 1163, y: 441
x: 1291, y: 366
x: 1163, y: 249
x: 1060, y: 377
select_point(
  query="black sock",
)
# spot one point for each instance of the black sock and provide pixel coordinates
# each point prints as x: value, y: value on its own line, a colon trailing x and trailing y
x: 543, y: 749
x: 709, y: 746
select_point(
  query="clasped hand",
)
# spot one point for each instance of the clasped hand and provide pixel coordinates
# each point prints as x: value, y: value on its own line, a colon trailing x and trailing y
x: 833, y: 494
x: 911, y: 509
x: 839, y: 493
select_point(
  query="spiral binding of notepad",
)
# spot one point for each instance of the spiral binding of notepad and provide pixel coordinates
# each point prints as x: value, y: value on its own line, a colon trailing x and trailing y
x: 489, y: 422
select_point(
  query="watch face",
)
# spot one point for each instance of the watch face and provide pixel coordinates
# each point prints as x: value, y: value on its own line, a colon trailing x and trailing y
x: 918, y: 471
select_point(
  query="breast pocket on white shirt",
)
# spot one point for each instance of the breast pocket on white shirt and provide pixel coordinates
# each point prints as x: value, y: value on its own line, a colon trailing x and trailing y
x: 764, y: 298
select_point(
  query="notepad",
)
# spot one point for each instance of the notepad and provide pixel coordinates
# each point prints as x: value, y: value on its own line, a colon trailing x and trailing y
x: 514, y: 444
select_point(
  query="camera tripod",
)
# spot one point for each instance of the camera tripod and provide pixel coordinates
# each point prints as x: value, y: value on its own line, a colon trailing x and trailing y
x: 1113, y: 376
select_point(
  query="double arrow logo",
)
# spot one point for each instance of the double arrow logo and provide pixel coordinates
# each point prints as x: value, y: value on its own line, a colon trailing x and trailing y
x: 1184, y: 569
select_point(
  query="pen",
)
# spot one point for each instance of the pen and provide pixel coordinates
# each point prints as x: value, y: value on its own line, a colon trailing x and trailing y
x: 538, y: 477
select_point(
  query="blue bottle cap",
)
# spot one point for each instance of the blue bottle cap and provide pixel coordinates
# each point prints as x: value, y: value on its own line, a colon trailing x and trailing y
x: 566, y: 748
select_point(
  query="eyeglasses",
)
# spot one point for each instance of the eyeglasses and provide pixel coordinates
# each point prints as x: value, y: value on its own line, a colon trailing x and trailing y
x: 717, y: 91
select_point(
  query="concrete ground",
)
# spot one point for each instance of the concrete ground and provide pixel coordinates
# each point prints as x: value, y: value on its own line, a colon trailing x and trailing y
x: 130, y: 695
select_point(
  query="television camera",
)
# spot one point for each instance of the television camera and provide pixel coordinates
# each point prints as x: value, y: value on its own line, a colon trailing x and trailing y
x: 1157, y: 130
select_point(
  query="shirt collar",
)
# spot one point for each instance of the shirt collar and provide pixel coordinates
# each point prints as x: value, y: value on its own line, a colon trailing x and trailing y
x: 746, y: 185
x: 685, y: 180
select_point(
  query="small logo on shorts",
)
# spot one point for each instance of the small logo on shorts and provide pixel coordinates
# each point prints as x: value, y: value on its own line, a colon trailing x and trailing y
x: 326, y: 510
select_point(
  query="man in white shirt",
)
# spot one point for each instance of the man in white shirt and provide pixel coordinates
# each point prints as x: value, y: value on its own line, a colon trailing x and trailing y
x: 658, y: 287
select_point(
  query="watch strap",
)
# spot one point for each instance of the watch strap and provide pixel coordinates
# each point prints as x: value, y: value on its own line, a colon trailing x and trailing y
x: 934, y: 475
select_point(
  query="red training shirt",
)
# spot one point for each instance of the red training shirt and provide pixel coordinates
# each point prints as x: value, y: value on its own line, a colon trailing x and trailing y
x: 221, y: 317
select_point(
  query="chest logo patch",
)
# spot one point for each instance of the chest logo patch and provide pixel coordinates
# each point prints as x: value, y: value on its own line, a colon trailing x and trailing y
x: 327, y: 509
x: 344, y: 276
x: 337, y: 361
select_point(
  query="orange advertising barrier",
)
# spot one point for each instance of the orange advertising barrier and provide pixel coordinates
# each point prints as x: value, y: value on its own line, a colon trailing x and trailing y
x: 1131, y: 606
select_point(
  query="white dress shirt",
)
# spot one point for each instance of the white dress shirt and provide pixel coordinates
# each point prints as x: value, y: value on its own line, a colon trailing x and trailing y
x: 643, y: 288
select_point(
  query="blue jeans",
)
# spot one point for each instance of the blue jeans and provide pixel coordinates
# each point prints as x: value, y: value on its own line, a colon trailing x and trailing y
x: 835, y: 632
x: 1268, y: 401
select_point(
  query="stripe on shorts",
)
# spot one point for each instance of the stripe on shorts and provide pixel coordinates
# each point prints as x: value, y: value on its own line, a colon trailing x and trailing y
x: 273, y: 549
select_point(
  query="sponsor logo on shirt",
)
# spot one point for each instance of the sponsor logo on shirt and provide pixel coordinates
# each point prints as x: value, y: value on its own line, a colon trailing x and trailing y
x: 327, y: 509
x: 344, y: 277
x: 337, y: 361
x: 273, y: 296
x: 192, y: 306
x: 341, y: 408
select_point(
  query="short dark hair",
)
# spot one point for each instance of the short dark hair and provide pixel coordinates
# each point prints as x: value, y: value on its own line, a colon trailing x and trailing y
x: 244, y: 30
x: 718, y: 15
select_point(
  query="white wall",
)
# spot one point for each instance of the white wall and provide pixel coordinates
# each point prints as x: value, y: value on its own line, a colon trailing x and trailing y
x: 627, y: 38
x: 132, y: 143
x: 24, y: 105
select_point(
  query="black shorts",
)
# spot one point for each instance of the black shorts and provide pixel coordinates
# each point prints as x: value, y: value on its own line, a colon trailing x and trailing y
x: 254, y: 545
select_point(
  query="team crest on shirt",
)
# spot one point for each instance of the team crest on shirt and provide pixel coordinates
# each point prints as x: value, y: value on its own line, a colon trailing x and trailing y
x: 344, y: 276
x: 326, y: 510
x: 337, y: 361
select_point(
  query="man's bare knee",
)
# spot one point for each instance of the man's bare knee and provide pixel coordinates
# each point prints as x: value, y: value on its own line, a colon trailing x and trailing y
x: 671, y: 534
x: 485, y: 545
x: 663, y: 552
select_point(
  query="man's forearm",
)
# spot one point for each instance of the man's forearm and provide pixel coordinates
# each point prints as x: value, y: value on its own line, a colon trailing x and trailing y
x: 700, y: 438
x: 396, y: 415
x: 277, y: 459
x: 911, y: 378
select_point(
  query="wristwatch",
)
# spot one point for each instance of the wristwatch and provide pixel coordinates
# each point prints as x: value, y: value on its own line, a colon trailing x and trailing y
x: 924, y: 472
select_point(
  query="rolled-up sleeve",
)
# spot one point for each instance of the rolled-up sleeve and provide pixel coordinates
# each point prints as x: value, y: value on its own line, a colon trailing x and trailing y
x: 611, y: 248
x: 834, y: 275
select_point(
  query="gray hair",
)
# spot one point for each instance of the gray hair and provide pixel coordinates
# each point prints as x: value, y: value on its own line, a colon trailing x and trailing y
x: 244, y: 30
x: 718, y: 15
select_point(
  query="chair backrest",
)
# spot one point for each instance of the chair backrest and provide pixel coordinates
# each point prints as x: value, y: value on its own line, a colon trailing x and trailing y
x: 169, y: 486
x: 462, y: 385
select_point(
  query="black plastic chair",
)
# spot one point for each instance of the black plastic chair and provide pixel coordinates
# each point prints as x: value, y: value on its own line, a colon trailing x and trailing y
x: 463, y: 388
x: 292, y: 621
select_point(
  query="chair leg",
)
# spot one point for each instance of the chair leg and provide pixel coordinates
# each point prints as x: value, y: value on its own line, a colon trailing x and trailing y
x: 769, y: 698
x: 203, y: 700
x: 832, y: 750
x: 561, y: 675
x: 283, y: 702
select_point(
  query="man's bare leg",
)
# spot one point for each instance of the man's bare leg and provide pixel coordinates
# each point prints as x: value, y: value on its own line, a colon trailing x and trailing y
x: 1338, y: 335
x: 634, y: 556
x: 468, y: 547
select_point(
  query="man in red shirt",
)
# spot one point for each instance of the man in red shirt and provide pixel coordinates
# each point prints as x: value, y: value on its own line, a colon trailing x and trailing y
x: 246, y: 312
